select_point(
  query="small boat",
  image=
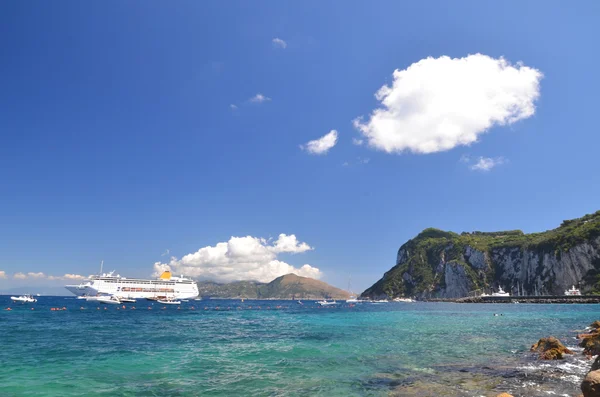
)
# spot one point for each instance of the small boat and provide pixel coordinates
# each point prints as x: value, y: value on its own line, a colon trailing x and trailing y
x: 127, y: 300
x: 573, y: 292
x: 404, y: 300
x: 327, y: 303
x: 109, y: 300
x: 168, y: 302
x: 23, y: 299
x: 299, y: 302
x: 380, y: 301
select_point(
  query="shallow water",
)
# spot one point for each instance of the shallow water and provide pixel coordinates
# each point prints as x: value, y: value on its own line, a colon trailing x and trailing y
x: 281, y: 348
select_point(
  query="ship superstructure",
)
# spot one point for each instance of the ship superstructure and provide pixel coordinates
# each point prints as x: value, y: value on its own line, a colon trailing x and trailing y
x: 110, y: 284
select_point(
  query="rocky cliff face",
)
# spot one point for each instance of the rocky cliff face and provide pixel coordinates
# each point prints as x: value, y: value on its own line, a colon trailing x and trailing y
x: 439, y: 264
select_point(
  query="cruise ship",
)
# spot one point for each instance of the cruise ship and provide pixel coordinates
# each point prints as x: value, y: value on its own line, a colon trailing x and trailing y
x: 109, y: 284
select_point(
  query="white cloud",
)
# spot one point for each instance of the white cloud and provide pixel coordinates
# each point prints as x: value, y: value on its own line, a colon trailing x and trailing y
x: 20, y: 276
x: 67, y: 276
x: 233, y: 107
x: 36, y: 275
x: 357, y: 142
x: 323, y: 144
x: 487, y: 163
x: 3, y: 274
x: 259, y: 98
x: 279, y: 43
x: 437, y: 104
x: 241, y: 258
x: 285, y: 243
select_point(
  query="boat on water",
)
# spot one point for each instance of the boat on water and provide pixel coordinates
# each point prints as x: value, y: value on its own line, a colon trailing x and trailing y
x: 126, y: 300
x: 23, y: 299
x: 573, y: 292
x: 380, y: 301
x: 404, y: 300
x: 354, y: 299
x: 168, y: 302
x: 136, y: 288
x: 500, y: 292
x: 109, y: 300
x: 325, y: 302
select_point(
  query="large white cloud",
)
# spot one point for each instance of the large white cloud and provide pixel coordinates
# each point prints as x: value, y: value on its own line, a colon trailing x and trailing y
x: 323, y: 144
x: 437, y: 104
x: 241, y: 258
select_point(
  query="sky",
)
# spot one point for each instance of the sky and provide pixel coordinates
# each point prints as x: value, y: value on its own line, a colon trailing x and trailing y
x: 232, y: 140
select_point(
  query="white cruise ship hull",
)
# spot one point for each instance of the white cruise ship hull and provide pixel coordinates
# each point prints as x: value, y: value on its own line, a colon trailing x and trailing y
x: 165, y: 286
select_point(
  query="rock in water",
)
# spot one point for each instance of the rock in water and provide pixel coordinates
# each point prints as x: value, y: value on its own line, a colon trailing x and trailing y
x: 591, y: 384
x: 550, y: 349
x: 590, y: 344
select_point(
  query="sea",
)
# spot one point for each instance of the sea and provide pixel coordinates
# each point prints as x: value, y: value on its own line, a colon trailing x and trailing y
x: 284, y: 348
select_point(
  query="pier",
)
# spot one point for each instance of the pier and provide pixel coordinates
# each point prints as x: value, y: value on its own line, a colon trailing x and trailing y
x: 573, y: 299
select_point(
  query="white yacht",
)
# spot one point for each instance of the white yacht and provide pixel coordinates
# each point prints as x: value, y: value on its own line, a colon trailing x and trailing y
x: 500, y: 293
x: 404, y: 300
x: 573, y: 292
x: 23, y: 298
x: 132, y: 288
x: 110, y: 300
x: 325, y: 302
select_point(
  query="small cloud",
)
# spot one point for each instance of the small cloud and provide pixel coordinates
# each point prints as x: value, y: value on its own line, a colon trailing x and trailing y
x: 20, y: 276
x: 321, y: 145
x: 364, y: 160
x: 465, y: 159
x: 345, y: 164
x: 357, y: 141
x: 279, y: 43
x: 167, y: 252
x: 487, y: 163
x: 3, y: 274
x: 233, y: 107
x: 259, y: 98
x: 36, y: 275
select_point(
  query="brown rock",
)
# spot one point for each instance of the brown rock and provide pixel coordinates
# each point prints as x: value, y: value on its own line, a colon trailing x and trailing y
x: 595, y: 324
x: 596, y: 364
x: 504, y: 395
x: 591, y: 344
x: 550, y: 349
x: 591, y: 384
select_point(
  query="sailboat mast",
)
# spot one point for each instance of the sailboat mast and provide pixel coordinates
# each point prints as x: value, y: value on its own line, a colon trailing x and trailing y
x: 101, y: 265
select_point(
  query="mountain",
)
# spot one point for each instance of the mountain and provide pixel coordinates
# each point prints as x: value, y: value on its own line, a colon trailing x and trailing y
x: 440, y: 264
x: 289, y: 286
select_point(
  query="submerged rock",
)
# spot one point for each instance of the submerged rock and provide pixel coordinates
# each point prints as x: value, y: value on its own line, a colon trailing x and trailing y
x: 550, y: 349
x: 591, y: 384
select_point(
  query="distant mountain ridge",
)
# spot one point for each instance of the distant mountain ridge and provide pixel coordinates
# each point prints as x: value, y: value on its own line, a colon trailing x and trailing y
x: 289, y: 286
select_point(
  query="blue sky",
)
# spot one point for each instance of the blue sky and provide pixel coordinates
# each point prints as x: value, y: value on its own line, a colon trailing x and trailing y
x: 119, y: 141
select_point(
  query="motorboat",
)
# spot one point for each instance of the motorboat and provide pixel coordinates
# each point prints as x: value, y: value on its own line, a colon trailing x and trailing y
x: 168, y: 302
x: 573, y: 292
x: 500, y: 293
x: 109, y: 300
x: 404, y: 300
x: 327, y: 303
x: 23, y: 299
x: 380, y: 301
x: 127, y: 300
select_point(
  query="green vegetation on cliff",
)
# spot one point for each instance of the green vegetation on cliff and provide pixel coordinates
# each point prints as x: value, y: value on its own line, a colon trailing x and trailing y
x: 421, y: 261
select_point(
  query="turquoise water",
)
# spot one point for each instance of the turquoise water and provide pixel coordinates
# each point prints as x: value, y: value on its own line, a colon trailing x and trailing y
x: 281, y: 348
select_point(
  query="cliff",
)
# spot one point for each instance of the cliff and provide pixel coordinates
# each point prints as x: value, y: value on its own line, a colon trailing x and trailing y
x: 289, y: 286
x: 440, y: 264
